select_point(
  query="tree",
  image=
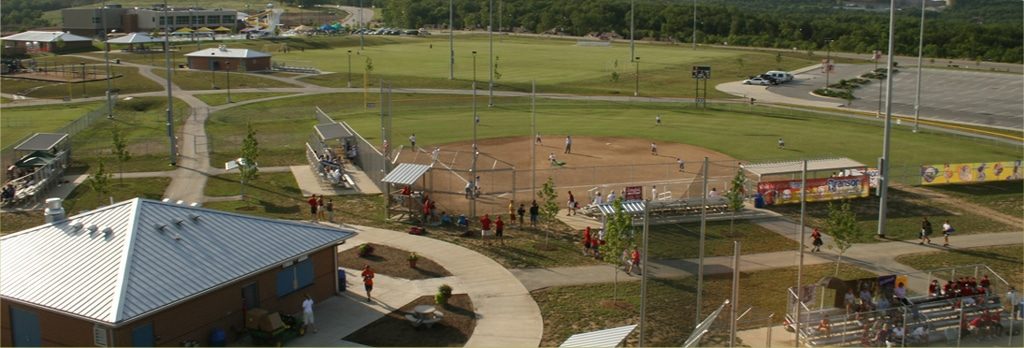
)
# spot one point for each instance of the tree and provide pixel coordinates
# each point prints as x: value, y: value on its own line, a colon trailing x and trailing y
x: 549, y: 200
x: 734, y: 197
x: 247, y: 170
x: 369, y: 65
x: 120, y: 150
x: 497, y: 75
x: 778, y: 58
x: 842, y: 226
x: 618, y: 237
x: 99, y: 182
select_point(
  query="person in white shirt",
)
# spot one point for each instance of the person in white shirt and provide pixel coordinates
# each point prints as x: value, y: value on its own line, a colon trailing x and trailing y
x: 654, y: 149
x: 713, y: 193
x: 611, y: 196
x: 657, y: 120
x: 654, y: 192
x: 947, y: 230
x: 412, y: 140
x: 568, y: 144
x: 307, y: 314
x: 436, y: 153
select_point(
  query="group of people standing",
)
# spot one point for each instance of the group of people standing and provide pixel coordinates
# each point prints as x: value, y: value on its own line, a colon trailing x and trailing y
x: 926, y: 231
x: 320, y: 210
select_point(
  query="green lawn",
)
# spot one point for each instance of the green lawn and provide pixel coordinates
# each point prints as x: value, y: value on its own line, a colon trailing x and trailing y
x: 20, y: 122
x: 681, y: 241
x: 558, y: 66
x: 4, y: 100
x: 1006, y: 197
x: 84, y: 198
x: 670, y: 304
x: 129, y: 82
x: 1007, y: 261
x: 143, y: 123
x: 222, y: 98
x: 203, y: 80
x: 904, y: 217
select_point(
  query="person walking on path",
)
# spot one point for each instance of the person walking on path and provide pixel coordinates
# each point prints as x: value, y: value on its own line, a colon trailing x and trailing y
x: 499, y: 230
x: 412, y: 141
x: 321, y: 213
x: 485, y: 226
x: 586, y: 241
x: 634, y: 261
x: 947, y: 230
x: 368, y: 275
x: 329, y: 206
x: 568, y: 144
x: 534, y: 212
x: 521, y: 212
x: 312, y: 208
x: 816, y: 240
x: 307, y: 314
x: 926, y: 230
x: 571, y: 205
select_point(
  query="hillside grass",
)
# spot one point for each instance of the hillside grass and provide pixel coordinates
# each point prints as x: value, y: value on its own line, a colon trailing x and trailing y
x: 192, y: 80
x: 143, y: 124
x: 129, y: 82
x: 16, y: 123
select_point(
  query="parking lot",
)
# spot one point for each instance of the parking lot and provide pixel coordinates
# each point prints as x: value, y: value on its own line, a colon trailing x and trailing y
x: 980, y: 98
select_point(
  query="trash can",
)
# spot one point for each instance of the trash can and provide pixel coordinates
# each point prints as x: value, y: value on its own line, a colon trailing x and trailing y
x: 218, y: 338
x: 117, y: 60
x: 758, y: 201
x: 341, y: 279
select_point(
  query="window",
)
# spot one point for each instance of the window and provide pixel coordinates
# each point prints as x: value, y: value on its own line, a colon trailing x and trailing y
x: 213, y: 19
x: 181, y: 20
x: 228, y: 19
x: 200, y: 19
x: 295, y: 277
x: 95, y: 20
x: 162, y: 21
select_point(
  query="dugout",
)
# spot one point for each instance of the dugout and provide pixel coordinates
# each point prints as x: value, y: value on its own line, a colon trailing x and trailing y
x: 42, y: 159
x: 404, y: 201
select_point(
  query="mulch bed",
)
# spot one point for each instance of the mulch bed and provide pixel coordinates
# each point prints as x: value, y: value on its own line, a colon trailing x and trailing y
x: 392, y: 262
x: 393, y: 330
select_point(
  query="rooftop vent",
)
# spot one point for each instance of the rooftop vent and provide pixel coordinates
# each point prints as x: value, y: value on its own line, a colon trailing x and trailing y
x: 107, y: 231
x: 223, y: 48
x: 166, y: 200
x: 195, y: 205
x: 54, y: 211
x: 194, y: 217
x: 180, y: 202
x: 159, y: 227
x: 92, y: 228
x: 77, y: 225
x: 179, y: 222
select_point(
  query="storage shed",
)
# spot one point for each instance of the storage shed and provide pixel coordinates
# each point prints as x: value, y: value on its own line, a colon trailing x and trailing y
x: 233, y: 59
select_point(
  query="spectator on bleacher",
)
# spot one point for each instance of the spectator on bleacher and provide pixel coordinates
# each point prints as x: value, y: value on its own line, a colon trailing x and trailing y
x: 336, y: 175
x: 949, y: 289
x: 971, y: 282
x: 979, y: 326
x: 713, y: 193
x: 896, y: 337
x: 611, y: 196
x: 882, y: 335
x: 919, y: 335
x: 851, y: 300
x: 901, y: 294
x: 866, y: 295
x: 8, y: 193
x: 598, y: 198
x: 825, y: 328
x: 933, y: 288
x: 445, y: 219
x: 985, y: 283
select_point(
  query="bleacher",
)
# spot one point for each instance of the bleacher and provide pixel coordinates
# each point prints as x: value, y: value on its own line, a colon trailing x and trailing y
x: 295, y: 69
x: 318, y: 167
x: 938, y: 315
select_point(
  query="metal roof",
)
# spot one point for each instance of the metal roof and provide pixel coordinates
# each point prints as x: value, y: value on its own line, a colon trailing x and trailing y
x: 134, y: 38
x: 228, y: 53
x: 602, y: 338
x: 156, y: 255
x: 790, y: 167
x: 630, y: 207
x: 406, y: 174
x: 45, y: 36
x: 328, y: 131
x: 41, y: 142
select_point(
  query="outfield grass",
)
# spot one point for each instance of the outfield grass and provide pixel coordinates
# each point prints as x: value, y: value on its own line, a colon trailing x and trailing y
x: 1006, y: 197
x: 192, y: 80
x: 143, y: 123
x: 19, y: 122
x: 670, y: 303
x: 4, y: 100
x: 222, y: 98
x: 1005, y: 260
x: 743, y: 132
x: 681, y: 241
x: 129, y: 82
x: 903, y: 220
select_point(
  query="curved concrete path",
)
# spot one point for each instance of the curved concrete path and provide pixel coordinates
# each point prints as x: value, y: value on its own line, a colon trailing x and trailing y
x: 507, y: 315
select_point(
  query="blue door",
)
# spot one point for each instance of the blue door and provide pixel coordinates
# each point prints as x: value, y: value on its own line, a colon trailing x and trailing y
x: 142, y: 336
x: 25, y: 328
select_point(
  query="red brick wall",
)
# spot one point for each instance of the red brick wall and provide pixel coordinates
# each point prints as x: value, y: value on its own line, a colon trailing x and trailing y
x: 195, y: 319
x: 252, y: 64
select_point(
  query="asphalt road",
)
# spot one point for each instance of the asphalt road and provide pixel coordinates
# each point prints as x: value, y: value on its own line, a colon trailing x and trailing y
x: 970, y: 97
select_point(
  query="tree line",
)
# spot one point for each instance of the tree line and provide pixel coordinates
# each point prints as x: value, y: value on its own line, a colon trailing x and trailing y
x: 988, y: 30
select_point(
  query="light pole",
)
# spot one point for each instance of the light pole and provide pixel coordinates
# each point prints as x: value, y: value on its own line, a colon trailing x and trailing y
x: 83, y: 80
x: 474, y: 70
x: 828, y: 61
x: 920, y: 56
x: 170, y: 100
x: 636, y: 90
x: 361, y: 25
x: 349, y: 69
x: 883, y: 178
x: 228, y: 71
x: 490, y: 34
x: 213, y: 76
x: 451, y: 39
x: 632, y: 28
x: 694, y: 24
x: 106, y: 58
x: 472, y: 171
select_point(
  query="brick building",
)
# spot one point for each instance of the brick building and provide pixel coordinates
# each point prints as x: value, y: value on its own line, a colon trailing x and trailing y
x: 44, y: 41
x: 151, y: 273
x: 234, y: 59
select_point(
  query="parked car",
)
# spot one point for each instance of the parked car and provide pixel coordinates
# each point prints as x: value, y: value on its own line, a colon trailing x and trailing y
x: 771, y: 80
x: 756, y: 81
x: 781, y: 76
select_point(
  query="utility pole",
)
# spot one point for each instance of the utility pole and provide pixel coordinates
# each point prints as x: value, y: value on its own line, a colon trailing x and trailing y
x: 451, y: 39
x: 490, y: 34
x: 632, y: 28
x: 703, y: 231
x: 800, y: 264
x: 735, y: 299
x: 106, y: 58
x: 644, y: 271
x: 533, y: 144
x: 170, y: 99
x: 828, y: 61
x: 695, y: 25
x: 883, y: 178
x: 920, y: 56
x: 349, y: 69
x: 362, y: 25
x: 472, y: 171
x: 636, y: 88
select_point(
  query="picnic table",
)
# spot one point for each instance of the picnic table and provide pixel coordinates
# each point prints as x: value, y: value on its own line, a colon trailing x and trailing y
x: 424, y: 315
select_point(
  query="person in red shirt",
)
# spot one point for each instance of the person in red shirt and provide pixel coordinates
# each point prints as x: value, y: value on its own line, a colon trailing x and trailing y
x: 499, y: 230
x: 634, y: 261
x: 933, y: 288
x: 485, y: 226
x: 984, y: 281
x: 368, y: 275
x: 313, y: 204
x: 426, y: 213
x: 587, y: 239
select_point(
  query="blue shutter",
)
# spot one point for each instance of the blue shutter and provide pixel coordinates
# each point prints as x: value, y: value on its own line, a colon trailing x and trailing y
x: 142, y: 336
x: 305, y: 273
x: 25, y: 328
x: 286, y: 281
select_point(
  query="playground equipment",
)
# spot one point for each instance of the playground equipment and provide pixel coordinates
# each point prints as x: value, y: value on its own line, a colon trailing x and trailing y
x: 264, y: 23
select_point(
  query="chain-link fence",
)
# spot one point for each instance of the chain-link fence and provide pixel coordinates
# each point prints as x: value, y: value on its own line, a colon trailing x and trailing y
x: 72, y: 128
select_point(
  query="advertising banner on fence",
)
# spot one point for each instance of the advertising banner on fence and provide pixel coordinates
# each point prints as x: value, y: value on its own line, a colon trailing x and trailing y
x: 823, y: 189
x: 965, y: 173
x: 634, y: 193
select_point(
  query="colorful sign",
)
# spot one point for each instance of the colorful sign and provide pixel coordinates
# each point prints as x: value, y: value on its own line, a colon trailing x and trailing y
x: 634, y: 193
x: 966, y: 173
x: 823, y: 189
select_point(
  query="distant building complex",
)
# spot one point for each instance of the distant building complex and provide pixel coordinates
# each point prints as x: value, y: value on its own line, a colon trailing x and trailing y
x: 90, y: 21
